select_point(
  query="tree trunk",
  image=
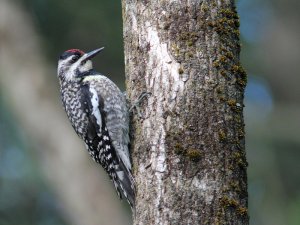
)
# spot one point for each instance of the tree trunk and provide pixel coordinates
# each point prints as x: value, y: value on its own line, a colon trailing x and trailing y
x: 189, y: 148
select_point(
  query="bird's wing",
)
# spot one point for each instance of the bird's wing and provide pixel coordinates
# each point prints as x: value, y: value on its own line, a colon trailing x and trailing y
x: 116, y: 115
x: 104, y: 139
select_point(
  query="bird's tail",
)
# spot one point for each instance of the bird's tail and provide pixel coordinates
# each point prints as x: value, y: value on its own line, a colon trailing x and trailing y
x: 125, y: 184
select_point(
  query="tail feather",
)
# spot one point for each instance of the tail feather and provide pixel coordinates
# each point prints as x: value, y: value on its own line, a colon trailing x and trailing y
x: 126, y: 183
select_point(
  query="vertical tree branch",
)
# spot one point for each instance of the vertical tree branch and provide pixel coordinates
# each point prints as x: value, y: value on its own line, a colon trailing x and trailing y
x: 189, y: 150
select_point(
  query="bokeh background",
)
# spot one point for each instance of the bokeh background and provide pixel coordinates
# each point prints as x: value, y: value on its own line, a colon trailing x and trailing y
x: 46, y: 177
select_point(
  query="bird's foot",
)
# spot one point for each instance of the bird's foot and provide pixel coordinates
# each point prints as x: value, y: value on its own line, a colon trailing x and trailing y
x: 136, y: 104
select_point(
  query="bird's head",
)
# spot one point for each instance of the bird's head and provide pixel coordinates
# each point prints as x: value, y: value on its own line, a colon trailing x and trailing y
x: 74, y: 63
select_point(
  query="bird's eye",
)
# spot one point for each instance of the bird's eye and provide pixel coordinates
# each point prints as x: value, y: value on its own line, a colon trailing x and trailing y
x: 74, y: 58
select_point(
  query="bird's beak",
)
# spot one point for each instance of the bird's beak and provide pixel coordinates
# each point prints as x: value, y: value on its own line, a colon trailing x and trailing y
x: 91, y: 54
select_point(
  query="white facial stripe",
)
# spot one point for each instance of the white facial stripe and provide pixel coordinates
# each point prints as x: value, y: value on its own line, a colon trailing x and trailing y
x: 86, y: 67
x: 95, y: 104
x: 70, y: 72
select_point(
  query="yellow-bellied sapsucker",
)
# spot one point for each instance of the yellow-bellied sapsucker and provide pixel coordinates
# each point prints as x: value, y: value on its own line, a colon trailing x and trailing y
x: 98, y: 112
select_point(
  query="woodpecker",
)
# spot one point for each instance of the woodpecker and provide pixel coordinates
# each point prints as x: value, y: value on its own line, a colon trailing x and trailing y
x: 98, y: 112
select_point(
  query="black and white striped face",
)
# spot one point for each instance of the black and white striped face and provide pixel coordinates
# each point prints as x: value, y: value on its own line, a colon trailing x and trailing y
x: 74, y: 62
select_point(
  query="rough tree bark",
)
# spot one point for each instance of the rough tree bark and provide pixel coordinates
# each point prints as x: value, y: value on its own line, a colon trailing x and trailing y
x: 189, y: 149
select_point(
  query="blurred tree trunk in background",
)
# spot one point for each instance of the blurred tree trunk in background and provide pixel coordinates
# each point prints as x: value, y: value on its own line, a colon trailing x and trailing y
x: 25, y: 79
x: 189, y: 149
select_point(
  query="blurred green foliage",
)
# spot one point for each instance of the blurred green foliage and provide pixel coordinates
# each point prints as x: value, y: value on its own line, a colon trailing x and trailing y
x: 271, y: 113
x: 86, y: 25
x: 25, y: 198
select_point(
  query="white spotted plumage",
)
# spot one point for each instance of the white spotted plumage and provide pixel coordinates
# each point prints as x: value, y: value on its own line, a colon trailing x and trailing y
x: 95, y: 104
x: 98, y: 112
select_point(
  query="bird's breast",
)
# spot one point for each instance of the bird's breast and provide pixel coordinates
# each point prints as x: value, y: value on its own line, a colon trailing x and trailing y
x: 76, y: 110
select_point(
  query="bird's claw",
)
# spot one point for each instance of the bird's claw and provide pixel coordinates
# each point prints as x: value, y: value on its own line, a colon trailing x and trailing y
x: 136, y: 104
